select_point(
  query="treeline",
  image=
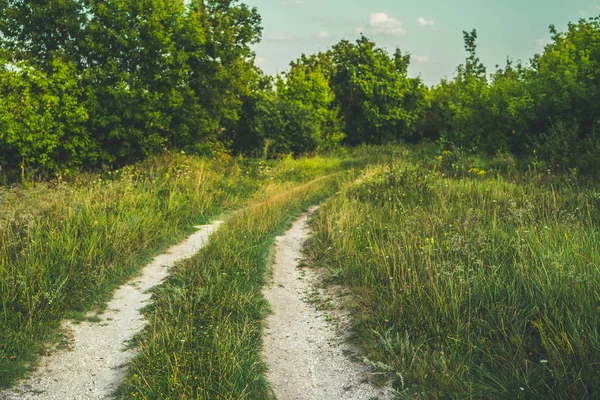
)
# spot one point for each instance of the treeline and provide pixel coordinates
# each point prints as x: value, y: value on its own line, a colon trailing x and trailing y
x: 548, y: 110
x: 106, y: 82
x: 354, y: 93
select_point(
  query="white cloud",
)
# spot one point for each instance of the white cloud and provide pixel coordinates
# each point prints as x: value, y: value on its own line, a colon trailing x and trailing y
x: 421, y: 59
x: 583, y: 13
x: 424, y: 22
x: 260, y: 60
x: 292, y: 3
x: 323, y: 35
x: 382, y: 24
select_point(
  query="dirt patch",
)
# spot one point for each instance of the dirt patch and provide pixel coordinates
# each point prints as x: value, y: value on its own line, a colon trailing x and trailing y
x: 305, y: 353
x: 97, y: 361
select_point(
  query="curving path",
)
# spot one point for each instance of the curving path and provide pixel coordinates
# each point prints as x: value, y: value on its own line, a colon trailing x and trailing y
x: 97, y: 362
x: 303, y: 351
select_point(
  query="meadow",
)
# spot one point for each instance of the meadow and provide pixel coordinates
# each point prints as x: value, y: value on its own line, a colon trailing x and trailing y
x: 470, y: 278
x: 471, y: 257
x: 66, y: 244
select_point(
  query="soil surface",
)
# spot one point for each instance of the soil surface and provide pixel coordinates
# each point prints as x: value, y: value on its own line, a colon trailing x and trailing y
x: 96, y: 360
x: 305, y: 352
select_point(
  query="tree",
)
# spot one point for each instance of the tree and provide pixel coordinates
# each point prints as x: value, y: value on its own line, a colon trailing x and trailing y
x: 459, y: 107
x: 510, y: 110
x: 41, y: 118
x: 564, y: 86
x: 299, y: 116
x: 39, y: 31
x: 378, y: 102
x: 151, y: 74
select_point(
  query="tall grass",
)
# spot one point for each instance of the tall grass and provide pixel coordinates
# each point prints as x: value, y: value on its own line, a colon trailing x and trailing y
x: 204, y: 336
x: 66, y: 244
x: 470, y: 283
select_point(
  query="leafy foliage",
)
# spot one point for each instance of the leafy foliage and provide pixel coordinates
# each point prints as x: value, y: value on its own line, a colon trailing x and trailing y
x: 299, y: 116
x: 141, y: 75
x: 378, y: 101
x: 548, y: 109
x: 41, y: 118
x: 119, y: 80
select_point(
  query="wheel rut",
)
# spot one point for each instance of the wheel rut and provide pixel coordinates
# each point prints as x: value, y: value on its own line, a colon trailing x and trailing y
x: 97, y: 359
x: 303, y: 349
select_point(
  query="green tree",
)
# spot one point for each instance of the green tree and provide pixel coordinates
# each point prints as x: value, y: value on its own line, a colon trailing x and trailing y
x: 459, y: 108
x: 38, y: 31
x: 299, y: 116
x: 312, y: 119
x: 151, y: 73
x: 41, y: 118
x: 222, y: 71
x: 510, y: 110
x: 248, y: 136
x: 378, y: 102
x: 565, y: 89
x: 133, y: 75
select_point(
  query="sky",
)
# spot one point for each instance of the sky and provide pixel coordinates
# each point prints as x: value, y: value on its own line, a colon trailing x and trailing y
x: 430, y: 30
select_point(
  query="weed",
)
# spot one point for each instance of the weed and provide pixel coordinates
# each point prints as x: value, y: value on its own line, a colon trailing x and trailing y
x: 470, y: 279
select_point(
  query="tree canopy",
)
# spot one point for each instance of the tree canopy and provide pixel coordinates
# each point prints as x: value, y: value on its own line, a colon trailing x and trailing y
x: 129, y: 77
x: 105, y: 82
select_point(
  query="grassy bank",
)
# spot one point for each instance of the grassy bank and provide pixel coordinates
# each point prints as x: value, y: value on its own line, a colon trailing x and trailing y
x: 66, y: 244
x: 470, y: 279
x: 204, y: 335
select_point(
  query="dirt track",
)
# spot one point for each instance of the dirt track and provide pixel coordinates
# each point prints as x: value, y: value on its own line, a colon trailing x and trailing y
x: 96, y: 364
x: 302, y: 349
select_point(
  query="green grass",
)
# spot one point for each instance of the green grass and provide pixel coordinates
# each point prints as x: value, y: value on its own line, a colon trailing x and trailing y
x: 65, y: 245
x: 204, y: 336
x: 470, y: 284
x: 471, y: 278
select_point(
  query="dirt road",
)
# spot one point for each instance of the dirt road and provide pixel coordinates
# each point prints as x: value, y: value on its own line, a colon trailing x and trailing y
x: 97, y: 362
x: 303, y: 350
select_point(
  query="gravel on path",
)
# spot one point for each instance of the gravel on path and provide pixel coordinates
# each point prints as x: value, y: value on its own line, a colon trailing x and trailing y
x: 303, y: 350
x: 97, y: 360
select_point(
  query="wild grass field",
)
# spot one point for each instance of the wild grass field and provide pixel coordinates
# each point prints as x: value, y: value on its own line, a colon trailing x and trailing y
x: 65, y: 245
x: 472, y: 257
x: 469, y: 278
x: 203, y: 340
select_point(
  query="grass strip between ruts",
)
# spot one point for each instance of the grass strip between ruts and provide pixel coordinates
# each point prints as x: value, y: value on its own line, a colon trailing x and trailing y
x: 65, y: 246
x: 203, y: 339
